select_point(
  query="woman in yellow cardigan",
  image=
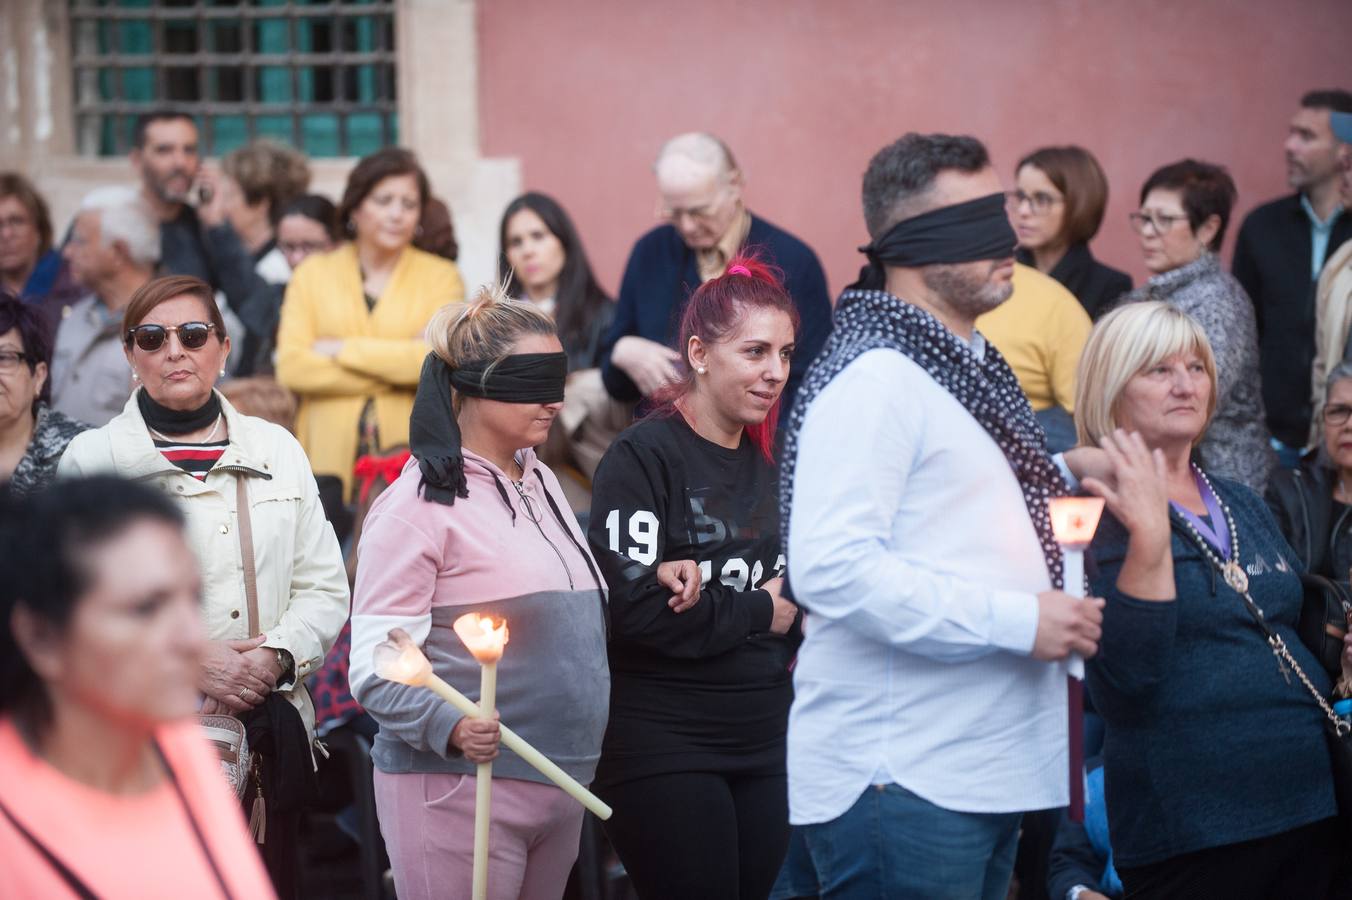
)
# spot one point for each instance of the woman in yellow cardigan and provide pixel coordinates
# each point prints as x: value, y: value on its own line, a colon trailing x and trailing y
x: 350, y: 342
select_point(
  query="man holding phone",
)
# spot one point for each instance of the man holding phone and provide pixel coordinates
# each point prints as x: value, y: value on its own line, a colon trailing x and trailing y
x: 196, y: 239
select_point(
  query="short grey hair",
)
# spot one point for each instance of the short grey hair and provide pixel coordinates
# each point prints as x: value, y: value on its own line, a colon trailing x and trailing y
x: 1341, y: 372
x: 901, y: 174
x: 125, y: 216
x: 704, y: 150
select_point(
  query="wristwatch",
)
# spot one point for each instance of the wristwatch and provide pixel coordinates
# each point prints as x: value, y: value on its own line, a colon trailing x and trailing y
x: 1075, y: 892
x: 285, y: 662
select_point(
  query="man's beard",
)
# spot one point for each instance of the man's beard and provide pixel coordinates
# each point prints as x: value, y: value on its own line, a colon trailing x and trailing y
x: 159, y: 186
x: 965, y: 289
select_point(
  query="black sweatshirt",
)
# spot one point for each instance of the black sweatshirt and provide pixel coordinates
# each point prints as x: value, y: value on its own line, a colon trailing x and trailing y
x: 707, y: 689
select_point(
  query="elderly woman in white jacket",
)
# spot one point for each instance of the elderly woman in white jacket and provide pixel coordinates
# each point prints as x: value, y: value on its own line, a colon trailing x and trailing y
x: 179, y: 434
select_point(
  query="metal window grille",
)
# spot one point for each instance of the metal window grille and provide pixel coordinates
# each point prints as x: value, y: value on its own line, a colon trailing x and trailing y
x: 318, y: 74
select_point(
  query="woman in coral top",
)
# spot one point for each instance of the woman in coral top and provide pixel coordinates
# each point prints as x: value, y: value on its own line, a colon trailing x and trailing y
x: 109, y: 790
x: 350, y: 342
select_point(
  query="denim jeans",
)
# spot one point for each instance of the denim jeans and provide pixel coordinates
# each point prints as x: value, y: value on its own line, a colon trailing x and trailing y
x: 797, y: 877
x: 892, y: 845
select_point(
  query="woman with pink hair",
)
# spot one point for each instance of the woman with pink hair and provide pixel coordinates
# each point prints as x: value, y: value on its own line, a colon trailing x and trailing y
x: 693, y: 758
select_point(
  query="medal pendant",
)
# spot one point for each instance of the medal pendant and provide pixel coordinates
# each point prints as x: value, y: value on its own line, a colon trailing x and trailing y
x: 1235, y: 577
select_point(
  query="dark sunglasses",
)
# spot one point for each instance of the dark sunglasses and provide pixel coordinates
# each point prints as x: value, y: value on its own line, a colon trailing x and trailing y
x: 192, y: 335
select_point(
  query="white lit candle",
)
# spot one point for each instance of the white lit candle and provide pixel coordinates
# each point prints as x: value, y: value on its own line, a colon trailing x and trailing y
x: 485, y: 640
x: 399, y: 659
x: 1073, y: 522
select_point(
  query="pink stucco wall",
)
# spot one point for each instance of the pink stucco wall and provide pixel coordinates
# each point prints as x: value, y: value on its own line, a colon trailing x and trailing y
x: 805, y: 91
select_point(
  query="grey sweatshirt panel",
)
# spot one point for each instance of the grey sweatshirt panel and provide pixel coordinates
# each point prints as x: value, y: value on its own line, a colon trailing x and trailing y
x: 553, y: 689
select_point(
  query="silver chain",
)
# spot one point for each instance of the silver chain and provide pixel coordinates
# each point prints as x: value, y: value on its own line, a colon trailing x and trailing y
x: 1279, y: 648
x: 216, y: 426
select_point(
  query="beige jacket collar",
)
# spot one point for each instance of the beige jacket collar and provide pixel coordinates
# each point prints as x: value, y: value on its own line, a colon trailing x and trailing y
x: 136, y: 457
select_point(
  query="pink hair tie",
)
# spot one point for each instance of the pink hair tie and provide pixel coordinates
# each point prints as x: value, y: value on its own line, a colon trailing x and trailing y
x: 740, y: 270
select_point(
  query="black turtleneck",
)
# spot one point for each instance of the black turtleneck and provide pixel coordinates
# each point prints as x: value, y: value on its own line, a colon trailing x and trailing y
x: 177, y: 421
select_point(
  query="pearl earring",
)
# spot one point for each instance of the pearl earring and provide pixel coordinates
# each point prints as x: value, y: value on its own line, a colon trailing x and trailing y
x: 701, y: 370
x: 222, y: 371
x: 134, y: 376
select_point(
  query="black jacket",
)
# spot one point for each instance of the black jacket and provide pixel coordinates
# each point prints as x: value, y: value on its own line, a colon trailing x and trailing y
x: 217, y: 256
x: 1272, y: 262
x: 1096, y: 286
x: 1302, y: 501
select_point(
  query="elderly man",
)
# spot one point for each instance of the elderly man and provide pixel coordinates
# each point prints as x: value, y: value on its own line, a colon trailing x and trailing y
x: 930, y: 691
x: 1279, y: 253
x: 701, y: 195
x: 113, y: 248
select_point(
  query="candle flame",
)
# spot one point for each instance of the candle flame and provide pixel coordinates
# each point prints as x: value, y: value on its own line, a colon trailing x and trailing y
x: 399, y: 659
x: 1074, y: 519
x: 483, y: 636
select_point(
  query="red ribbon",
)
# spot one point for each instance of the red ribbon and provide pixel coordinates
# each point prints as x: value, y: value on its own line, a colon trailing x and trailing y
x: 371, y: 467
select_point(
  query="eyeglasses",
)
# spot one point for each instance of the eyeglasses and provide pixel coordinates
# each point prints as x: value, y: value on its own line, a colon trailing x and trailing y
x: 10, y: 359
x: 1160, y: 222
x: 1337, y: 415
x: 192, y: 335
x: 303, y: 248
x: 15, y: 223
x: 699, y: 213
x: 1040, y: 202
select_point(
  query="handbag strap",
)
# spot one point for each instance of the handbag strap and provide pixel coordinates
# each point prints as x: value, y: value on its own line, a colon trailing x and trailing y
x: 1282, y: 652
x: 246, y: 551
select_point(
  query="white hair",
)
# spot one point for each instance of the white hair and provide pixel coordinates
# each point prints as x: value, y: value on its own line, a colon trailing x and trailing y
x: 695, y: 152
x: 124, y: 216
x: 1341, y: 372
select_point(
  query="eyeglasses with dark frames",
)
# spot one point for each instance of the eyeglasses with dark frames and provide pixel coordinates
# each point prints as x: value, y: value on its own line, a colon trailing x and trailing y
x: 11, y: 359
x: 1040, y: 202
x: 1337, y: 414
x: 1160, y: 222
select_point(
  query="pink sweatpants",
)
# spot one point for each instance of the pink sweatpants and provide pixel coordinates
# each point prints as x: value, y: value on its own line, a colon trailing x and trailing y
x: 428, y: 824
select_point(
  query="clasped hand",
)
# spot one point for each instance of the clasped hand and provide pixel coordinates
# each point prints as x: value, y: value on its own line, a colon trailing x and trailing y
x: 236, y: 676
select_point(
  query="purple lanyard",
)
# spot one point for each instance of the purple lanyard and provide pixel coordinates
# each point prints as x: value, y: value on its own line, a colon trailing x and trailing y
x: 1217, y: 534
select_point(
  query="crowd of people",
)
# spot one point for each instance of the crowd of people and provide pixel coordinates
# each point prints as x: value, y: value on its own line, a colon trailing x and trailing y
x: 780, y: 572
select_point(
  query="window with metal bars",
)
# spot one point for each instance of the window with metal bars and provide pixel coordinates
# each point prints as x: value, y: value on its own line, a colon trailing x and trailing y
x: 318, y: 74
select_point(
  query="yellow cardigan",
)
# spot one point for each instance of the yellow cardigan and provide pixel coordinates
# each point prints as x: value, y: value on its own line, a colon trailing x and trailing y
x: 382, y: 352
x: 1040, y: 331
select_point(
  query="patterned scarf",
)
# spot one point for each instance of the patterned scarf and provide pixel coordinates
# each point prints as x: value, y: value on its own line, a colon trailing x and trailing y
x: 987, y: 389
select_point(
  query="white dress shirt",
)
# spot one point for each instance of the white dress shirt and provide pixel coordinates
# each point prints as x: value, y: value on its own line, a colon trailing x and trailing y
x: 912, y: 550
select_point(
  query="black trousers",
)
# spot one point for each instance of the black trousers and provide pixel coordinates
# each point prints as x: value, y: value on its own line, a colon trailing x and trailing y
x: 697, y: 834
x: 1294, y: 864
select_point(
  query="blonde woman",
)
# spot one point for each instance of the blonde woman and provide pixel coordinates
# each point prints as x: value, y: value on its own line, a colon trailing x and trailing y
x: 476, y: 523
x: 1217, y: 776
